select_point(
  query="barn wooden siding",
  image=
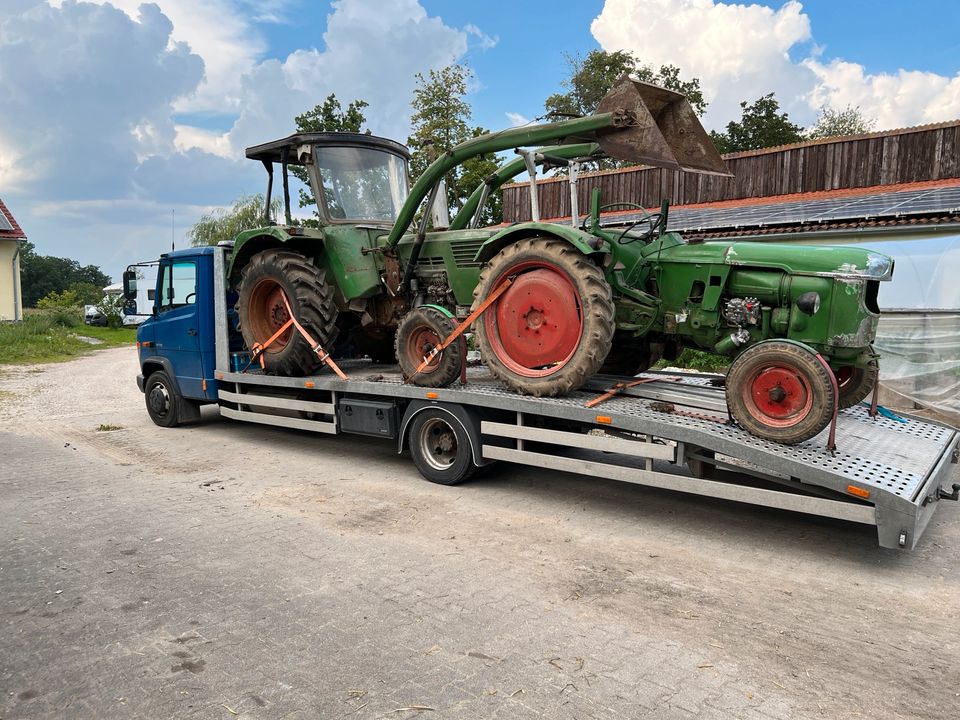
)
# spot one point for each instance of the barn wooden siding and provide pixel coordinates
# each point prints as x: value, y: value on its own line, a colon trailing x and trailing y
x: 885, y: 158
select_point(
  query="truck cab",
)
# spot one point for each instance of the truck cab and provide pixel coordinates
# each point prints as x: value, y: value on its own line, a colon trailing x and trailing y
x: 176, y: 344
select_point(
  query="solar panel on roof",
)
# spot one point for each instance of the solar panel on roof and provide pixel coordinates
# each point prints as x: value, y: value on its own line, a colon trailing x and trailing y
x: 4, y: 223
x: 875, y: 205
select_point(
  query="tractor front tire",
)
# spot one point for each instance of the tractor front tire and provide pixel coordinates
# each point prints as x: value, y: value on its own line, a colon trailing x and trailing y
x: 551, y: 330
x: 264, y: 281
x: 421, y: 330
x: 780, y: 391
x: 856, y: 384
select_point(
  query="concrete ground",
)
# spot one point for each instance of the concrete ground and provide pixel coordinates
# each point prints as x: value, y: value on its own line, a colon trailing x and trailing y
x: 234, y: 571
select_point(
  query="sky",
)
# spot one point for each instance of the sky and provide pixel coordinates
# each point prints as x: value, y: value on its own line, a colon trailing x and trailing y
x: 123, y: 122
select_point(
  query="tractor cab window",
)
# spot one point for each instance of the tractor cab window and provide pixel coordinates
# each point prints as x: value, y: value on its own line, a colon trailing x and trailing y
x: 360, y: 183
x: 178, y: 285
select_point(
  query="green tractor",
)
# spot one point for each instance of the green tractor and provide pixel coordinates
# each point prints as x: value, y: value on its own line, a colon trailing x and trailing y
x: 796, y: 321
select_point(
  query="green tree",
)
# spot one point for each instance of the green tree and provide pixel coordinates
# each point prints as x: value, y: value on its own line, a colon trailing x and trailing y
x: 246, y: 213
x: 87, y: 293
x: 762, y: 125
x: 591, y: 77
x: 328, y: 117
x: 41, y: 275
x: 849, y: 121
x: 59, y: 300
x: 441, y: 120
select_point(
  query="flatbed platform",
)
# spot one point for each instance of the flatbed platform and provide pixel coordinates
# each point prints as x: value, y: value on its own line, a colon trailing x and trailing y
x: 884, y: 472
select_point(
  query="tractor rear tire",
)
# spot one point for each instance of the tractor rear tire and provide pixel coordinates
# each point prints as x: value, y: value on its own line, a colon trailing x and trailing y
x: 780, y: 391
x: 264, y: 281
x: 856, y: 384
x: 553, y: 328
x: 421, y: 330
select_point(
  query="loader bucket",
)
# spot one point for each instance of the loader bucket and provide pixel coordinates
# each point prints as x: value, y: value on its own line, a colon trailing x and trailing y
x: 662, y: 131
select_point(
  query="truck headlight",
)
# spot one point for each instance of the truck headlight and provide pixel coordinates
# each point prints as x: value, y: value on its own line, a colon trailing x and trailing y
x: 809, y: 302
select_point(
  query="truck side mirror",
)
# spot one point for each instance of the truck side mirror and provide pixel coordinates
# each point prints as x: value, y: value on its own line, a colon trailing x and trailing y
x: 130, y: 285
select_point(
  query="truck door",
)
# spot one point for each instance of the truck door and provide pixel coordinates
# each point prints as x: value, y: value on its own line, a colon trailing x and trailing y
x: 178, y: 324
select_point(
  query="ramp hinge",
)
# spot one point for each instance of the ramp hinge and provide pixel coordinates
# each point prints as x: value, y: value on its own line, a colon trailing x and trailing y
x: 956, y: 455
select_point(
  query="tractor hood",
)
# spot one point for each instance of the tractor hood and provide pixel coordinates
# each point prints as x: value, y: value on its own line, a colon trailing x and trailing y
x: 822, y: 260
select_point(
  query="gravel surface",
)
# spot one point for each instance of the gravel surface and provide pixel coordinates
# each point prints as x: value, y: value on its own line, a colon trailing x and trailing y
x: 228, y: 570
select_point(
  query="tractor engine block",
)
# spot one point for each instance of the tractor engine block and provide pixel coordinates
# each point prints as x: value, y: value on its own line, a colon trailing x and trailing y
x: 742, y: 312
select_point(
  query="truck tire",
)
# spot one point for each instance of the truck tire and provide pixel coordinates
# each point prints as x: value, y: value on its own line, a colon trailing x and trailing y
x: 420, y: 331
x: 856, y: 384
x: 440, y: 447
x: 553, y: 328
x: 264, y: 281
x: 780, y: 391
x: 165, y: 405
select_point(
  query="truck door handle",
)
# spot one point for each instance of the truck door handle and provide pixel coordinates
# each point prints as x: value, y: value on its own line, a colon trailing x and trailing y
x: 191, y: 331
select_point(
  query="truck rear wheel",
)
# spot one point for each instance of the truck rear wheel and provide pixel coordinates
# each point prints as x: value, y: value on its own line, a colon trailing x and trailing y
x: 552, y: 328
x: 780, y: 391
x: 440, y: 447
x: 265, y: 280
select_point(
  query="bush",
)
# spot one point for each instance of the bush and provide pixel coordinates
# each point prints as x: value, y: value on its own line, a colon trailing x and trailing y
x: 55, y: 300
x: 111, y: 307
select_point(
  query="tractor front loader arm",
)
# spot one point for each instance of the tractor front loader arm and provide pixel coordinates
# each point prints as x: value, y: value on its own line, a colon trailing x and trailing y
x: 638, y: 122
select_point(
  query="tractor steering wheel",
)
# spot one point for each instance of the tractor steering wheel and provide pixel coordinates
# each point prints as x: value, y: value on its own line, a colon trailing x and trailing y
x: 653, y: 220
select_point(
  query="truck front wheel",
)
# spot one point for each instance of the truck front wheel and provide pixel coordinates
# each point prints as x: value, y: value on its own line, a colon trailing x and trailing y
x: 165, y: 405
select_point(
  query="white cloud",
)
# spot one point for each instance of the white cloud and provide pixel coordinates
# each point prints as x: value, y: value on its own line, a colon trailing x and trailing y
x: 516, y: 119
x: 88, y: 92
x: 895, y: 100
x: 372, y: 51
x: 217, y: 31
x: 484, y: 41
x: 741, y: 52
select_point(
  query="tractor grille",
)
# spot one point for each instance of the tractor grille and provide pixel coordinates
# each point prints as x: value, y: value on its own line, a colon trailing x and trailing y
x: 465, y: 250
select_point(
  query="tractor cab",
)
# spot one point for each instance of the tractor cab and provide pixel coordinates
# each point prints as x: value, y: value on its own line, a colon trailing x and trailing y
x: 355, y: 178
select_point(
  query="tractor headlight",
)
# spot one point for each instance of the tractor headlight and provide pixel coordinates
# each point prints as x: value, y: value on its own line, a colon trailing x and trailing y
x: 809, y: 303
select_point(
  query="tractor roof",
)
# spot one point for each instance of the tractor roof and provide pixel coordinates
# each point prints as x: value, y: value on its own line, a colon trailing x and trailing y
x: 271, y: 152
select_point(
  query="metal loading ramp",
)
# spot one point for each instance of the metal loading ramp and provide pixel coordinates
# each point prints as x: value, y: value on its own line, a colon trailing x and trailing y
x: 884, y: 472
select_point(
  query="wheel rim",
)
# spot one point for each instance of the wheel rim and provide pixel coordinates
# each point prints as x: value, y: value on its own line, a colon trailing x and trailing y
x: 159, y: 399
x: 845, y: 376
x: 438, y: 444
x: 267, y: 314
x: 418, y: 344
x: 535, y: 327
x: 778, y: 395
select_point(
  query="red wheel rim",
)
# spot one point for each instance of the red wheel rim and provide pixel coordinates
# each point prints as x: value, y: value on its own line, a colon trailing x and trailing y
x: 778, y: 396
x: 844, y: 376
x: 268, y: 313
x: 418, y: 345
x: 535, y: 327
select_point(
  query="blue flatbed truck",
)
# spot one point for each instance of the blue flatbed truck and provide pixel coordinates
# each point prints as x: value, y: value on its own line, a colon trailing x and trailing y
x: 671, y: 431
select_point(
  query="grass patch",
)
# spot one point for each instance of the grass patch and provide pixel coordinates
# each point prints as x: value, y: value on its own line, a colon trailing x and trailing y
x: 107, y: 427
x: 697, y: 360
x: 51, y: 336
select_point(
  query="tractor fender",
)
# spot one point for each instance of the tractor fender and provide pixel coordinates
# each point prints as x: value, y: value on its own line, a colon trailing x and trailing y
x: 583, y: 241
x: 799, y: 344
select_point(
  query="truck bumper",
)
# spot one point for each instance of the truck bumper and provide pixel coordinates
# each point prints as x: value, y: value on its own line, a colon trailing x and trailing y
x: 140, y: 380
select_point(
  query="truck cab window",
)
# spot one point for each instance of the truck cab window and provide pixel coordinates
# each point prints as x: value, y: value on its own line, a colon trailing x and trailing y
x: 178, y: 285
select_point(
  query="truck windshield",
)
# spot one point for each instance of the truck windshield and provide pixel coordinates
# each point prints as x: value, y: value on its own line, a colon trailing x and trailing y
x: 361, y: 183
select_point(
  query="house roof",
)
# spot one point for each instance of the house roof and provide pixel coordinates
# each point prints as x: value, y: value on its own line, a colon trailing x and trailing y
x: 919, y: 203
x: 10, y: 229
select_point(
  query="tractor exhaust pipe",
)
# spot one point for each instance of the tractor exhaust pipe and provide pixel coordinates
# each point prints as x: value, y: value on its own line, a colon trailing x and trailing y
x: 662, y: 129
